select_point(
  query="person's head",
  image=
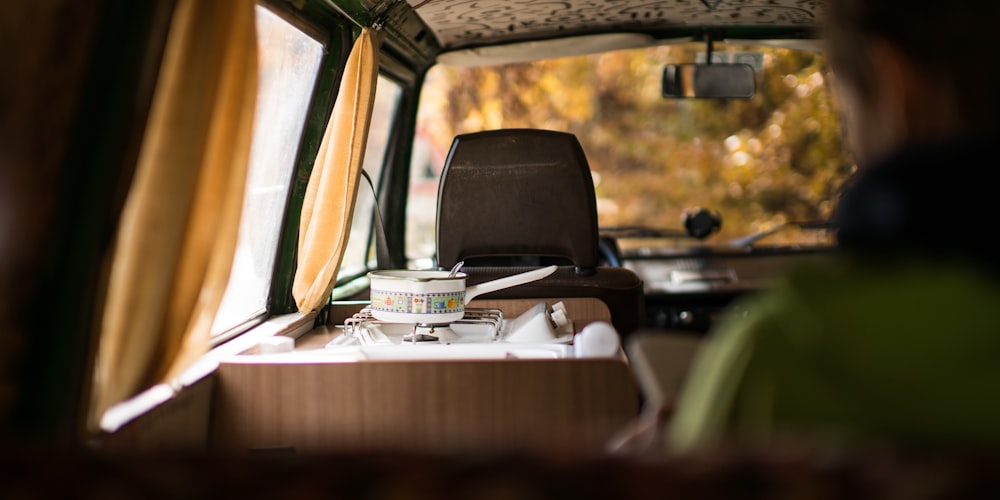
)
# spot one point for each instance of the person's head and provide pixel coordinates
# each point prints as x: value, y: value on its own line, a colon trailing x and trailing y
x: 911, y: 71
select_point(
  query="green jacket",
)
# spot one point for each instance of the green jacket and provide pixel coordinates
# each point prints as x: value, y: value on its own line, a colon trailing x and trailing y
x: 849, y: 352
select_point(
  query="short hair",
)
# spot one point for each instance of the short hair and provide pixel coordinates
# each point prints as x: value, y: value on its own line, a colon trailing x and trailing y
x: 951, y: 42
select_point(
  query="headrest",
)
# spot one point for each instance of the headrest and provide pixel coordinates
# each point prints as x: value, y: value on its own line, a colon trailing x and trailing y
x: 516, y: 192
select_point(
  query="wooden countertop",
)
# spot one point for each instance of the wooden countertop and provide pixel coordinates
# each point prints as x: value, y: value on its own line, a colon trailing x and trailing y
x: 424, y: 405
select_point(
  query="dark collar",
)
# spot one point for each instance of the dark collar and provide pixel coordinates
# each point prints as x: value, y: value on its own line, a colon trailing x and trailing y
x: 938, y: 199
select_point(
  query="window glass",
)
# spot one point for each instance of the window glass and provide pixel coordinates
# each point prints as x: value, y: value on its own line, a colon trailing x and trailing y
x: 426, y: 164
x: 288, y: 61
x: 360, y: 244
x: 776, y: 158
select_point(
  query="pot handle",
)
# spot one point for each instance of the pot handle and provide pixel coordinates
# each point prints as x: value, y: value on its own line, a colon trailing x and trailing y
x: 506, y: 282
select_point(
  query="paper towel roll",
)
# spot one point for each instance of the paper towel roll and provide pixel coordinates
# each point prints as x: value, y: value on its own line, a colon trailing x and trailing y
x: 597, y: 340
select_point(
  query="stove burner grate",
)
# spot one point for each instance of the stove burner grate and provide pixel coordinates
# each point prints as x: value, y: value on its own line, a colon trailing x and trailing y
x: 479, y: 320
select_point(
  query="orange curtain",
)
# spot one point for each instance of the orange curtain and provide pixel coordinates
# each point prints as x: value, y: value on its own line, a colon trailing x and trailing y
x: 179, y: 226
x: 333, y: 186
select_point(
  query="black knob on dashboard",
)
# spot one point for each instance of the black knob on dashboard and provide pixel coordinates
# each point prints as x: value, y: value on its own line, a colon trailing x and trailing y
x: 700, y: 222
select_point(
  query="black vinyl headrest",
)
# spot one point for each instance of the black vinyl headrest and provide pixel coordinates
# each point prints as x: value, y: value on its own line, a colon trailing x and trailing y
x: 517, y: 192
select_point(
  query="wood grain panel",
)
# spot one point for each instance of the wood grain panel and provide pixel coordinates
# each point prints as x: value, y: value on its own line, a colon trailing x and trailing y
x: 180, y: 424
x: 426, y: 406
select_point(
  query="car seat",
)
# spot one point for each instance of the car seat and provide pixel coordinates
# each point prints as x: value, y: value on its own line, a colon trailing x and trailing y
x: 513, y: 199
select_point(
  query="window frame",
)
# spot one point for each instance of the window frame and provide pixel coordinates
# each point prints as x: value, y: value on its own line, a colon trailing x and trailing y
x: 392, y: 186
x: 378, y: 185
x: 334, y: 34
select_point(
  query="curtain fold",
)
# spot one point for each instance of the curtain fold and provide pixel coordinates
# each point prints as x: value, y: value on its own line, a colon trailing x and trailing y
x: 333, y: 186
x: 178, y: 232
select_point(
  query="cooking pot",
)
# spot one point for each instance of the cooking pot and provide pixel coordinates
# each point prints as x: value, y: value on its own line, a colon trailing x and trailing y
x: 433, y: 297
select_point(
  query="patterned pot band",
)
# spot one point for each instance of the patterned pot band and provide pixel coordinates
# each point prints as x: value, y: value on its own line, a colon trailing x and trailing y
x: 418, y: 303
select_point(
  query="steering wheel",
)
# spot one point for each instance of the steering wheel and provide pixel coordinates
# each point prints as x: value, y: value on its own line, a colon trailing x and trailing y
x: 608, y: 251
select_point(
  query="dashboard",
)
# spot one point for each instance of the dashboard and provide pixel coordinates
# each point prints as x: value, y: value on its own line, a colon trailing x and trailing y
x: 687, y: 289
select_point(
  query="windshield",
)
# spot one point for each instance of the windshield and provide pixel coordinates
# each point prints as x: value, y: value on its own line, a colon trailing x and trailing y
x: 774, y: 159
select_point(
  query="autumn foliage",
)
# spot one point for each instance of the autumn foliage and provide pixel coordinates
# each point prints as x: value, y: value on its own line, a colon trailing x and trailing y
x: 776, y: 158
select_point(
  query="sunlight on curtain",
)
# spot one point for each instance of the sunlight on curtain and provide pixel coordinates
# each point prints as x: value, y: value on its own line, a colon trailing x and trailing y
x: 179, y: 225
x: 333, y: 185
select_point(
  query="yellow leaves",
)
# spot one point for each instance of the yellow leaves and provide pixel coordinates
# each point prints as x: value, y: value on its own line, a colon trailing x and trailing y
x: 492, y: 113
x: 761, y: 162
x: 489, y: 84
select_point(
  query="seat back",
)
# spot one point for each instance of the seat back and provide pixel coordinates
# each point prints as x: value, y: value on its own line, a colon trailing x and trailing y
x: 517, y: 192
x: 512, y: 199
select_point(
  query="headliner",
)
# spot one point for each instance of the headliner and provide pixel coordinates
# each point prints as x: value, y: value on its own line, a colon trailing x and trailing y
x: 467, y: 23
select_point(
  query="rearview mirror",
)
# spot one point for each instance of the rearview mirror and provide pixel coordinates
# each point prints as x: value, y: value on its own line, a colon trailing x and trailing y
x: 716, y: 81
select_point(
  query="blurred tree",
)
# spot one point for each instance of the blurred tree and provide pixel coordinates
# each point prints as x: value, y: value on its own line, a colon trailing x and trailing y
x: 776, y: 158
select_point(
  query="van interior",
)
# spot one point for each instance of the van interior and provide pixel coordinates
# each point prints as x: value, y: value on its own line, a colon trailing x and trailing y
x: 415, y: 248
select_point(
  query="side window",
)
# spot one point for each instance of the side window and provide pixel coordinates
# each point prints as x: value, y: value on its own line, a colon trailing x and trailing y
x: 360, y: 244
x: 430, y: 146
x: 288, y: 62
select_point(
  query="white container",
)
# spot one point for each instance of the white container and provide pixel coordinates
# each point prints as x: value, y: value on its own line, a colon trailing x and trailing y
x: 597, y: 340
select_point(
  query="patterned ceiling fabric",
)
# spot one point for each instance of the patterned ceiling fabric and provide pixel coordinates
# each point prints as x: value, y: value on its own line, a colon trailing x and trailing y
x: 460, y: 23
